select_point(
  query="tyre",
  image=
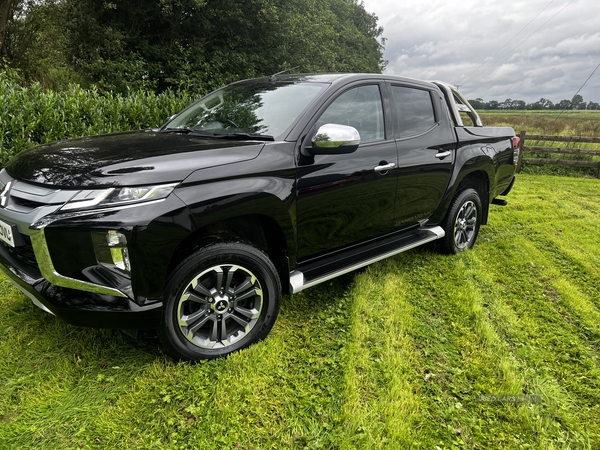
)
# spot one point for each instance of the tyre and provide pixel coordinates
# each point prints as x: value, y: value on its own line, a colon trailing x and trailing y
x: 222, y: 298
x: 462, y: 222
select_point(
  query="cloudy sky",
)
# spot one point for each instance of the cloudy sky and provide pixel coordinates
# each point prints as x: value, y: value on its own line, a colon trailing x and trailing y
x: 456, y: 40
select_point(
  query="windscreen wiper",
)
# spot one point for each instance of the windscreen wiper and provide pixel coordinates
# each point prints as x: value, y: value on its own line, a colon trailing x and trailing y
x: 246, y: 136
x: 189, y: 131
x: 237, y: 136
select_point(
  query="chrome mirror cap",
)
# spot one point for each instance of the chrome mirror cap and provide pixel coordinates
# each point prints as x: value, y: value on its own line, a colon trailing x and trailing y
x: 333, y: 138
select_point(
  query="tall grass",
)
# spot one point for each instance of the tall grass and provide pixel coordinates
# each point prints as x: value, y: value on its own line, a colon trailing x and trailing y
x: 31, y: 115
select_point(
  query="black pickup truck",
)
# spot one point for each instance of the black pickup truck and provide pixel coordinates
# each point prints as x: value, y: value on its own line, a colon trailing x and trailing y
x: 265, y: 186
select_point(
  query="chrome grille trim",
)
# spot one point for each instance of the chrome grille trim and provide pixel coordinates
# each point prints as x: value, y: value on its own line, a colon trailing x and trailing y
x: 42, y: 254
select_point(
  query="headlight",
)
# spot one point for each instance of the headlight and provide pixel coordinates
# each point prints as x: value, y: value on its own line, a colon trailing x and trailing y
x: 97, y: 198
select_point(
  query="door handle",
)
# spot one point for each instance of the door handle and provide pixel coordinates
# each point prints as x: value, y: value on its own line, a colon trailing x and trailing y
x: 442, y: 155
x: 385, y: 167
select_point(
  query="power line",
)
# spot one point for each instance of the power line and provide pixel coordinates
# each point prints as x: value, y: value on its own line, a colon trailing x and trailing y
x: 578, y: 91
x: 511, y: 39
x: 588, y: 79
x: 524, y: 40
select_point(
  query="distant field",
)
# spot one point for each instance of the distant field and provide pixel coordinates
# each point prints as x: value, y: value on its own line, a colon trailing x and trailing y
x: 570, y: 123
x: 496, y: 348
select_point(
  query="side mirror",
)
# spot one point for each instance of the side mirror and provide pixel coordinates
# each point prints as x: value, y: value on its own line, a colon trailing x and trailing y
x: 334, y: 139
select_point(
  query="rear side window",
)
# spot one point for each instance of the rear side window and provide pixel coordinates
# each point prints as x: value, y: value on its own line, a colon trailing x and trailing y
x: 415, y: 110
x: 360, y: 108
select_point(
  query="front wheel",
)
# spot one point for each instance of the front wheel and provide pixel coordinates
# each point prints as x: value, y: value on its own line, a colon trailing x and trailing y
x: 462, y: 222
x: 222, y: 298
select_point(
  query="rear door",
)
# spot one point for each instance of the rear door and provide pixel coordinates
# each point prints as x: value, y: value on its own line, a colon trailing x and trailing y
x: 426, y: 144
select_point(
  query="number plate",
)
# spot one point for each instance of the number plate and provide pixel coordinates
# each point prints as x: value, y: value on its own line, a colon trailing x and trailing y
x: 7, y: 233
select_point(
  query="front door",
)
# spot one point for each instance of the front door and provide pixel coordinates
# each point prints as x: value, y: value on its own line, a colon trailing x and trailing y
x: 342, y: 199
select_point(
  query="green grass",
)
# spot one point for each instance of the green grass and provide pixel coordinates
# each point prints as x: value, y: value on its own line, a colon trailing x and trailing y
x: 408, y: 353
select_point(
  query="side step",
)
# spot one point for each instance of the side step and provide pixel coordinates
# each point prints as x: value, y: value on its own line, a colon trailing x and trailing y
x: 499, y: 201
x: 311, y: 274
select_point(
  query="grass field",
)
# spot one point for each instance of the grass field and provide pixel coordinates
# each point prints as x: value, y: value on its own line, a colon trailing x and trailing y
x: 498, y: 347
x: 569, y: 123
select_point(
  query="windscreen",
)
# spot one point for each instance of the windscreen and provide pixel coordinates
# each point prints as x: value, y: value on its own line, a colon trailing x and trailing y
x: 266, y: 108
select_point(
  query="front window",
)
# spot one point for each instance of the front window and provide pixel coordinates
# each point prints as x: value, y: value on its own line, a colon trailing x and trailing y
x: 361, y: 108
x: 257, y: 107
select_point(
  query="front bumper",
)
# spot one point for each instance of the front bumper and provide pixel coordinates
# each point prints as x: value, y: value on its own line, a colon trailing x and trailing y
x: 79, y: 307
x: 79, y: 290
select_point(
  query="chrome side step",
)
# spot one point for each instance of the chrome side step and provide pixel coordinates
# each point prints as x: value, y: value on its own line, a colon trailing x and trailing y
x: 298, y: 283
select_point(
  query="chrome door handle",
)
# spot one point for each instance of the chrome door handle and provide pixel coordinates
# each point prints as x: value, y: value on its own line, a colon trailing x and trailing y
x: 442, y: 155
x: 385, y: 167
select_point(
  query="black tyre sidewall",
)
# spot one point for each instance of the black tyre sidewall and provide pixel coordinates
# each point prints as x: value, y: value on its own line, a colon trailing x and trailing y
x: 448, y: 243
x: 247, y: 256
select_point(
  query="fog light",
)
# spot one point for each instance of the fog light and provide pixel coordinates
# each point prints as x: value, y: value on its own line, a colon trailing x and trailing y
x: 117, y: 243
x: 115, y: 239
x: 111, y: 250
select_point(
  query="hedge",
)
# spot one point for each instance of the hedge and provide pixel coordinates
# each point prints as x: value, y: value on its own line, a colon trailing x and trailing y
x: 31, y: 115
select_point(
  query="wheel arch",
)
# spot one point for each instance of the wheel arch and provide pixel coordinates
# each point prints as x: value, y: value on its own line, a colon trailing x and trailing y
x: 259, y: 230
x: 480, y: 181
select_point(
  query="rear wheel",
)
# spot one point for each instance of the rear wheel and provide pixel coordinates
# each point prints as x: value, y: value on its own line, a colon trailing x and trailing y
x: 462, y: 222
x: 222, y: 298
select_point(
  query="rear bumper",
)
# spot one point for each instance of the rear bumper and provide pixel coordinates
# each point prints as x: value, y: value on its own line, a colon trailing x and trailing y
x: 79, y: 307
x: 510, y: 186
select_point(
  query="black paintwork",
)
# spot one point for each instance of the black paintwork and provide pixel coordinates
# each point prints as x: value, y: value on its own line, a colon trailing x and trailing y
x: 310, y: 212
x: 126, y: 159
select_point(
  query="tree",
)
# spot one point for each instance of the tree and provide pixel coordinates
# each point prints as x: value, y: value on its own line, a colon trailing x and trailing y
x: 563, y: 104
x: 543, y: 103
x: 478, y: 103
x: 577, y: 102
x: 518, y: 104
x: 506, y: 104
x: 8, y: 9
x: 546, y: 104
x: 35, y: 44
x: 492, y: 104
x: 162, y: 44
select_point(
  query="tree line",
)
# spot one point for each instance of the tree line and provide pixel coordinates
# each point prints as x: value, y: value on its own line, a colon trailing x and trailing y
x: 157, y: 45
x: 576, y: 103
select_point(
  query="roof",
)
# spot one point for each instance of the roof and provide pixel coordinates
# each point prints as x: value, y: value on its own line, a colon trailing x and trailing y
x: 342, y: 78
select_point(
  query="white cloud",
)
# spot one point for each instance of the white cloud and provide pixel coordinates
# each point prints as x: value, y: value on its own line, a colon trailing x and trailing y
x: 451, y: 40
x: 576, y: 45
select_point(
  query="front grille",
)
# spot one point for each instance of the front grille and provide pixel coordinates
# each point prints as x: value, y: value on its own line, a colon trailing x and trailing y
x: 22, y: 201
x: 26, y: 203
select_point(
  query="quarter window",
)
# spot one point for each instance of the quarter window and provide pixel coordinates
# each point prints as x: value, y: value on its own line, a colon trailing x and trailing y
x: 360, y: 108
x: 415, y: 110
